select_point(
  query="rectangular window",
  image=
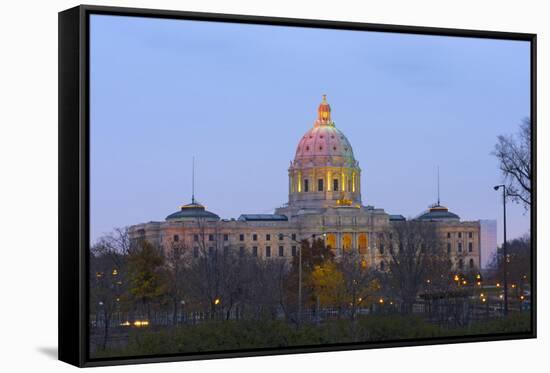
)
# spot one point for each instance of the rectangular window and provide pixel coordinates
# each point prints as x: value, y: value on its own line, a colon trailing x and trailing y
x: 448, y: 234
x: 459, y: 234
x: 381, y: 248
x: 320, y: 185
x: 268, y: 237
x: 225, y: 237
x: 448, y: 248
x: 210, y: 237
x: 176, y: 238
x: 211, y: 251
x: 293, y: 236
x: 470, y: 247
x: 281, y: 251
x: 225, y: 250
x: 335, y: 185
x: 460, y: 247
x: 470, y: 234
x: 241, y: 237
x: 268, y: 251
x: 196, y: 252
x: 254, y: 237
x: 281, y: 237
x: 293, y: 250
x: 306, y: 185
x: 255, y: 250
x: 195, y: 237
x: 241, y: 251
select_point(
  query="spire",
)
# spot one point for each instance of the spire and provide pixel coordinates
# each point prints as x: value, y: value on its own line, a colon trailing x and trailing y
x: 324, y: 111
x: 193, y: 183
x: 438, y: 202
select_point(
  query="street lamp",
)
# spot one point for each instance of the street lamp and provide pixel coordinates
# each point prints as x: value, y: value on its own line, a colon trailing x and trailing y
x: 504, y: 248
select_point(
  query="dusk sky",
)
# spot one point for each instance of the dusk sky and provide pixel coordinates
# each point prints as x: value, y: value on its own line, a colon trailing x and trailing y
x: 239, y: 97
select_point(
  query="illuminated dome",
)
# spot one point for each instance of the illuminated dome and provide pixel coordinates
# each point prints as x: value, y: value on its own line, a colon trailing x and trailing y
x: 324, y: 143
x: 324, y: 172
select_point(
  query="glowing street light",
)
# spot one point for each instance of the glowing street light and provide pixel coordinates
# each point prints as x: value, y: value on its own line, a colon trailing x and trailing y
x: 504, y: 248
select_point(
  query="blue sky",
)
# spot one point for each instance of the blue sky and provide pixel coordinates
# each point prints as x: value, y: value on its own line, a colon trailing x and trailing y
x: 239, y: 97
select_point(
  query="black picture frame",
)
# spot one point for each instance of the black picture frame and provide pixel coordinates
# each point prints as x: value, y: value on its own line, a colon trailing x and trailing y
x: 74, y: 178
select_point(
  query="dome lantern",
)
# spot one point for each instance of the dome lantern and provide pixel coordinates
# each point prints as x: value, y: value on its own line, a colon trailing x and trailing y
x: 324, y: 112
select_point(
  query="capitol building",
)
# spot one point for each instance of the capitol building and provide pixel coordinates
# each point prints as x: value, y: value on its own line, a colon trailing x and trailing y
x: 324, y: 201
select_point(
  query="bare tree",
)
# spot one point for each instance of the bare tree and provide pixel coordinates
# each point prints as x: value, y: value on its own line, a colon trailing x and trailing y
x: 514, y: 156
x: 416, y: 258
x: 177, y: 262
x: 359, y: 280
x: 108, y: 268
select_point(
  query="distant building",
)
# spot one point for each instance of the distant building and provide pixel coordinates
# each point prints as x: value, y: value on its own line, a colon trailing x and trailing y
x: 487, y: 241
x: 324, y: 200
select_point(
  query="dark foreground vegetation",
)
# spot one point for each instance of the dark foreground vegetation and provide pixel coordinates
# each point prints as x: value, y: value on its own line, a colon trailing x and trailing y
x: 247, y: 335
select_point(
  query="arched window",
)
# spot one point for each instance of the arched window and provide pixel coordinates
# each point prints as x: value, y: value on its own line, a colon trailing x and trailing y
x: 346, y: 241
x: 363, y: 243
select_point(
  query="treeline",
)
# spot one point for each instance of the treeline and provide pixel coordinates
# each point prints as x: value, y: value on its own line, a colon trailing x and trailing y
x: 140, y: 281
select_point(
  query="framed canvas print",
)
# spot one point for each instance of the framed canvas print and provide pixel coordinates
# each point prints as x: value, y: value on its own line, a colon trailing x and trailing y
x: 238, y: 186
